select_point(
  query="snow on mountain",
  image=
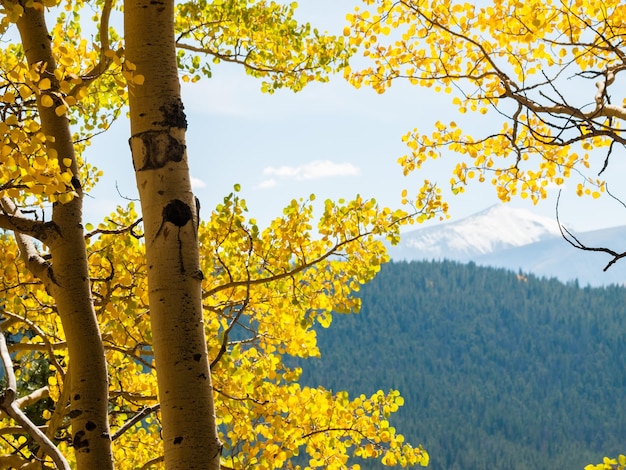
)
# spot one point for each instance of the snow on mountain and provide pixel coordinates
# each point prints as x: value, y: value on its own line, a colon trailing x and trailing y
x: 494, y: 229
x: 517, y: 239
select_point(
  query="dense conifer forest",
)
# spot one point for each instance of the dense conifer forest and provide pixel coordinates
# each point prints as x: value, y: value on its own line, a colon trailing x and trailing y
x: 499, y: 370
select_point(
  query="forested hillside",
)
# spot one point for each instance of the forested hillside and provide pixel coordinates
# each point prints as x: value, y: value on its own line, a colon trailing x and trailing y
x: 498, y: 370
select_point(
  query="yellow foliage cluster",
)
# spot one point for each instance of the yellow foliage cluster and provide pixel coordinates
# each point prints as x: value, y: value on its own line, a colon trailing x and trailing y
x: 263, y: 36
x: 28, y: 158
x: 545, y: 67
x: 32, y: 171
x: 609, y: 464
x: 264, y: 290
x: 269, y: 288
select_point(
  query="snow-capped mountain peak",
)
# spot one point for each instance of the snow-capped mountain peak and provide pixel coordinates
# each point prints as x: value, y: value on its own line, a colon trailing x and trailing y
x: 517, y: 239
x: 496, y: 228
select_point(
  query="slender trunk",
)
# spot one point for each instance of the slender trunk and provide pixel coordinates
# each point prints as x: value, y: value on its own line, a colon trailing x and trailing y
x: 170, y: 219
x: 68, y: 278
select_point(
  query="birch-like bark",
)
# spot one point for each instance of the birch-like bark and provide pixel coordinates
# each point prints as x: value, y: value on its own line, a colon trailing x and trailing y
x: 170, y: 220
x: 67, y: 279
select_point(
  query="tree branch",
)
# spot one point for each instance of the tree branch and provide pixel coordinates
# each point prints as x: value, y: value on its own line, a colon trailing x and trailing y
x: 11, y: 219
x: 12, y: 461
x: 14, y: 430
x: 148, y: 410
x: 28, y: 400
x: 243, y: 60
x: 33, y: 397
x: 297, y: 269
x: 570, y: 238
x: 130, y: 228
x: 28, y: 251
x: 105, y: 59
x: 240, y: 311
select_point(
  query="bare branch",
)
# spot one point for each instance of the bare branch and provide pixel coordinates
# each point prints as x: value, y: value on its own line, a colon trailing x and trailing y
x: 130, y: 228
x: 246, y: 398
x: 243, y: 60
x: 15, y: 430
x: 130, y: 353
x: 33, y: 397
x: 240, y: 311
x: 615, y: 197
x: 132, y: 397
x: 148, y: 410
x: 12, y: 461
x: 11, y: 219
x: 570, y: 238
x: 297, y: 269
x: 28, y: 400
x: 29, y: 253
x: 37, y: 346
x: 606, y: 159
x: 61, y: 407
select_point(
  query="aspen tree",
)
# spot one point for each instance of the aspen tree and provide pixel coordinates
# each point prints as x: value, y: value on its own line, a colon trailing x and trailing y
x: 170, y: 220
x: 65, y: 274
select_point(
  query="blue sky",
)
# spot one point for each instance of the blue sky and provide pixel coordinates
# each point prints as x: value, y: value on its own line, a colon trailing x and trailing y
x: 329, y: 139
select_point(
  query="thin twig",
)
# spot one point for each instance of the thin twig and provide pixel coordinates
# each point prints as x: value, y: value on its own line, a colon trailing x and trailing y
x: 141, y: 414
x: 570, y: 238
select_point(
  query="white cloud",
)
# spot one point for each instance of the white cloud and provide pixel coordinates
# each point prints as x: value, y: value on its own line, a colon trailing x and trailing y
x: 313, y: 170
x: 266, y: 184
x: 197, y: 183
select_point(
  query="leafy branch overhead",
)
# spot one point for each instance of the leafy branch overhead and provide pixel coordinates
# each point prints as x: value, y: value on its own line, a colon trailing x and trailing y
x: 263, y: 37
x: 547, y: 71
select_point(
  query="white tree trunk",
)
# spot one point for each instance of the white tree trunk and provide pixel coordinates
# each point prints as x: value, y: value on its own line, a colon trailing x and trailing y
x: 157, y: 141
x: 67, y: 278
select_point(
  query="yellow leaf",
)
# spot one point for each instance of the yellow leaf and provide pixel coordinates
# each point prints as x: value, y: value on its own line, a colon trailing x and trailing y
x: 64, y: 198
x: 44, y: 84
x: 47, y: 101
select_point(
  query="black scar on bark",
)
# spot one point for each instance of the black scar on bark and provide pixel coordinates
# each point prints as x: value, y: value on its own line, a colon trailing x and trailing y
x: 76, y: 184
x: 177, y: 212
x: 173, y: 115
x: 90, y: 426
x: 79, y: 442
x: 159, y: 148
x: 178, y: 440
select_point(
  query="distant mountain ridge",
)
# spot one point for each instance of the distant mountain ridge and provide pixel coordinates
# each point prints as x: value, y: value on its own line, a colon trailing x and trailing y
x: 518, y: 239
